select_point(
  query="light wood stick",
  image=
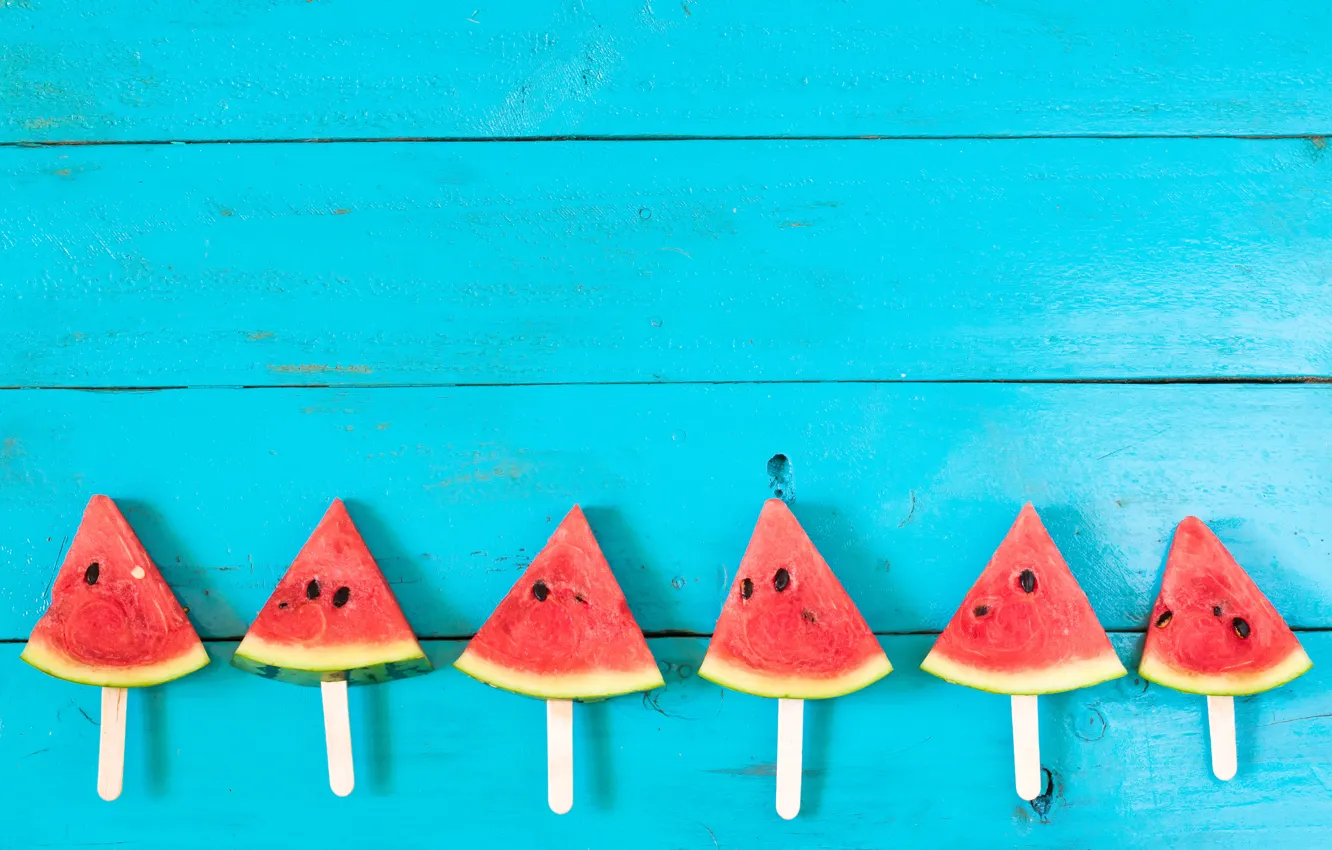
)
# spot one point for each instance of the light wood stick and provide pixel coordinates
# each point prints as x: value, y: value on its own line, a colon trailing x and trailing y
x: 559, y: 755
x: 1026, y: 747
x: 111, y: 745
x: 337, y: 737
x: 790, y: 754
x: 1221, y: 726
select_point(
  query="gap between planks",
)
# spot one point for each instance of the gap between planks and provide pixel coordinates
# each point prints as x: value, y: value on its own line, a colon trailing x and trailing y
x: 667, y: 634
x: 1242, y: 380
x: 666, y: 137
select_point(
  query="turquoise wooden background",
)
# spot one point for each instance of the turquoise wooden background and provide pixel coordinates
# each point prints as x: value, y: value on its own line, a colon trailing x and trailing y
x: 465, y: 266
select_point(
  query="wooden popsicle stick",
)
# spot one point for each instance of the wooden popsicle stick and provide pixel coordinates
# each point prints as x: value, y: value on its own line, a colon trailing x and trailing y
x: 111, y: 744
x: 559, y: 755
x: 1026, y: 747
x: 337, y: 737
x: 790, y: 754
x: 1221, y: 726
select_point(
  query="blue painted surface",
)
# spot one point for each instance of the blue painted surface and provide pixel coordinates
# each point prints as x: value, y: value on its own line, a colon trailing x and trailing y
x: 679, y: 261
x: 905, y: 489
x: 223, y: 759
x: 245, y: 69
x: 652, y: 324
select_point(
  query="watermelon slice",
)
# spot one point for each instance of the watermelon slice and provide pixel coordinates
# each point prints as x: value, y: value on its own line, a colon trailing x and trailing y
x: 332, y: 617
x: 788, y: 629
x: 1212, y: 631
x: 565, y: 630
x: 1025, y: 627
x: 113, y: 622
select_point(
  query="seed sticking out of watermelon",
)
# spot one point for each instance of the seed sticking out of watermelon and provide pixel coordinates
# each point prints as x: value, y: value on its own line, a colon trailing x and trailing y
x: 113, y: 622
x: 564, y: 632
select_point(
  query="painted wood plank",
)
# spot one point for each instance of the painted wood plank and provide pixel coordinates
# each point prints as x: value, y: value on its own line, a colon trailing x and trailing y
x: 295, y: 69
x: 222, y: 759
x: 683, y: 261
x: 906, y: 490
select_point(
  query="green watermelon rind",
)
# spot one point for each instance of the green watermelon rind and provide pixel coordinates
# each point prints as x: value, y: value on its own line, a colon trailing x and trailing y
x: 1067, y: 676
x: 747, y: 680
x: 596, y: 684
x: 1294, y: 665
x: 356, y: 665
x: 53, y: 662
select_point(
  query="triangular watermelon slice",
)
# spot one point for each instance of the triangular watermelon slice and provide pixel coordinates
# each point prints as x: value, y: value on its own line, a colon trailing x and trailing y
x: 565, y: 630
x: 1212, y: 631
x: 788, y: 629
x: 1025, y: 627
x: 113, y: 621
x: 332, y: 617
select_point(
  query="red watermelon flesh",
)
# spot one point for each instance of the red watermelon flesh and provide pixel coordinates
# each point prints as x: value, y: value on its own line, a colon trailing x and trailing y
x: 565, y: 630
x: 1212, y: 631
x: 1025, y: 627
x: 333, y: 616
x: 788, y: 629
x: 113, y: 620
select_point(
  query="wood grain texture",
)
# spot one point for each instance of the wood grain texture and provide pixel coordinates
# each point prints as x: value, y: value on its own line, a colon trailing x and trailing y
x: 250, y: 69
x: 664, y: 261
x: 221, y: 759
x: 906, y: 490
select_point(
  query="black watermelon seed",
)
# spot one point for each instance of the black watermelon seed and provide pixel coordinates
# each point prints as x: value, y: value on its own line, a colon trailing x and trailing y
x: 1216, y: 610
x: 282, y: 605
x: 1164, y: 620
x: 340, y: 596
x: 782, y: 580
x: 981, y: 610
x: 1028, y: 581
x: 540, y: 591
x: 809, y: 615
x: 1241, y: 627
x: 312, y: 589
x: 578, y: 597
x: 746, y: 588
x: 94, y: 570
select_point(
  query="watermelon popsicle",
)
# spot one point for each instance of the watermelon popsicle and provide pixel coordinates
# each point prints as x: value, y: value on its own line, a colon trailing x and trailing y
x: 333, y: 621
x: 113, y: 622
x: 789, y: 631
x: 1025, y: 628
x: 1213, y: 632
x: 564, y: 632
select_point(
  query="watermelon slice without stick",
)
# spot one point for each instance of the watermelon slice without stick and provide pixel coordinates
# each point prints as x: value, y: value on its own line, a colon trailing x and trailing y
x: 333, y: 621
x: 1025, y: 628
x: 564, y: 632
x: 789, y: 631
x: 113, y: 622
x: 1212, y: 632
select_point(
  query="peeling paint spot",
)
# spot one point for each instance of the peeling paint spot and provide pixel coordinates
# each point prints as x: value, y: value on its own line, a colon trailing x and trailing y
x: 258, y: 335
x: 341, y: 211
